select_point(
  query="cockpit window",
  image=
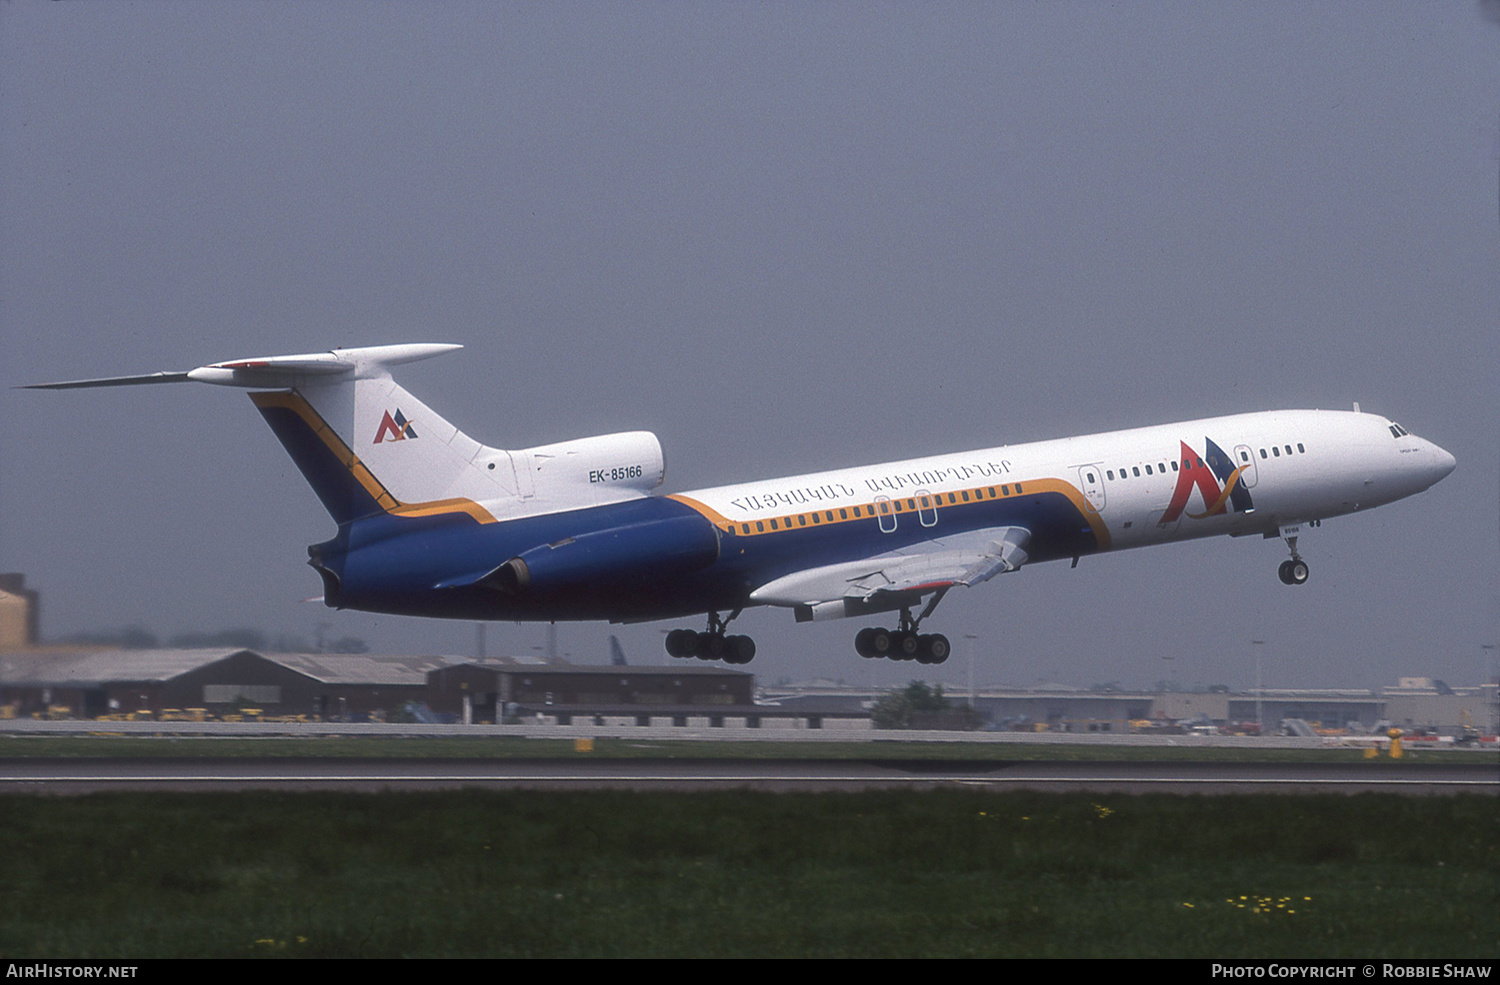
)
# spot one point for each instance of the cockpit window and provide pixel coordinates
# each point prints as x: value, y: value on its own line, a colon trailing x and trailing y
x: 1397, y: 431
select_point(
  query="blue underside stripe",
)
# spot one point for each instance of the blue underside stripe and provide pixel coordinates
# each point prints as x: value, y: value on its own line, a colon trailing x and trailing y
x: 394, y: 562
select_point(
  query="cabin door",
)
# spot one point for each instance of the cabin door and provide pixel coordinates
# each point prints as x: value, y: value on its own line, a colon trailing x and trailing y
x: 1091, y: 481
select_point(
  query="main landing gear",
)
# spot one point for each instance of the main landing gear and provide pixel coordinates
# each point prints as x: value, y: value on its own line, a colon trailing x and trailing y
x: 905, y: 643
x: 1294, y: 570
x: 712, y: 644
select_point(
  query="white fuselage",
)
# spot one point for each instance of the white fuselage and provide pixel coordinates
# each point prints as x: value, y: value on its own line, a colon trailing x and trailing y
x: 1291, y: 466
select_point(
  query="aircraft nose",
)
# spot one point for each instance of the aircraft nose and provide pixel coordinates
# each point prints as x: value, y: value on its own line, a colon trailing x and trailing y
x: 1443, y: 463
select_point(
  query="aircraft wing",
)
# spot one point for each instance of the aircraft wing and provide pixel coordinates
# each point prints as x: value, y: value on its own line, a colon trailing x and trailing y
x: 897, y: 578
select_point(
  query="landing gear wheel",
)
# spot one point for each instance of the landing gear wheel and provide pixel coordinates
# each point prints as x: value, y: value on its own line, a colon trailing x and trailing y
x: 682, y: 643
x: 934, y: 649
x: 903, y: 643
x: 711, y: 646
x: 1284, y: 572
x: 1297, y: 572
x: 741, y: 650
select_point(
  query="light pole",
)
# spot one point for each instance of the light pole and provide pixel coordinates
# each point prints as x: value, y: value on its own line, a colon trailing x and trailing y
x: 973, y: 644
x: 1260, y: 725
x: 1484, y: 675
x: 1165, y: 687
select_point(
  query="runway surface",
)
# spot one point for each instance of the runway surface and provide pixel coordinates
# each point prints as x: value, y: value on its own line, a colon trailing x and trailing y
x: 86, y: 775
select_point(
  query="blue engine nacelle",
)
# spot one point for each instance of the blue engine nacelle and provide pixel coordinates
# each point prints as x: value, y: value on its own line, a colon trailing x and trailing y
x: 619, y: 555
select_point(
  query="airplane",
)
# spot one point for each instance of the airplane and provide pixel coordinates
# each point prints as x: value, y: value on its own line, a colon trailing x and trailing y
x: 433, y: 523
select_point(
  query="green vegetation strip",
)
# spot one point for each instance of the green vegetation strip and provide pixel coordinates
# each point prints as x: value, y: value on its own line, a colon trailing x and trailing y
x: 516, y: 747
x: 616, y: 874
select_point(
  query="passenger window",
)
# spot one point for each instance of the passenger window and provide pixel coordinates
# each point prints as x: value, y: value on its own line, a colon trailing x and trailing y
x: 1174, y: 465
x: 1288, y: 449
x: 926, y: 509
x: 760, y: 525
x: 843, y: 514
x: 1300, y: 449
x: 1275, y: 451
x: 1148, y: 470
x: 1136, y: 469
x: 1110, y: 473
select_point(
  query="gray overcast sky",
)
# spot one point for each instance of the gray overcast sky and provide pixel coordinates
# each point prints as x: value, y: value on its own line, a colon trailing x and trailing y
x: 784, y: 237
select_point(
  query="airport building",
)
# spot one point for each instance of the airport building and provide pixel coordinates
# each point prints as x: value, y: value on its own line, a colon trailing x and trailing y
x: 93, y: 682
x: 20, y: 609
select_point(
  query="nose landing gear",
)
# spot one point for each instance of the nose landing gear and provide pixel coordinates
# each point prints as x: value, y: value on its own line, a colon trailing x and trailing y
x: 1293, y: 571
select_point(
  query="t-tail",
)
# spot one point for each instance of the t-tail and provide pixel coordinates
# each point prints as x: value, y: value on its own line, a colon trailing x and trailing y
x: 373, y: 453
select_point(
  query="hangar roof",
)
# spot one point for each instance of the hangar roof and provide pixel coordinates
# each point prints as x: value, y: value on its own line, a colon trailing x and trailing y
x: 64, y: 665
x: 84, y: 666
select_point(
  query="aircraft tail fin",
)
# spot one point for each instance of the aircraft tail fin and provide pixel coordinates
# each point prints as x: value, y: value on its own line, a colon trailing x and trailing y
x: 346, y: 487
x: 368, y: 447
x: 344, y: 421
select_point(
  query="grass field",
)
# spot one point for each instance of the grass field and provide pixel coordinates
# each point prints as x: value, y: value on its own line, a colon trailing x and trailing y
x: 606, y: 873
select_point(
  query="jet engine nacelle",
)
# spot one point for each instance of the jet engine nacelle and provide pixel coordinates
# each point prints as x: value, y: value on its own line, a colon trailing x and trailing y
x: 620, y: 555
x: 630, y: 460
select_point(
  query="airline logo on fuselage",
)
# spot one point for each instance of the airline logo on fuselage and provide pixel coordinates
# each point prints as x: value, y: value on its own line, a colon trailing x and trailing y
x: 394, y: 428
x: 1206, y: 474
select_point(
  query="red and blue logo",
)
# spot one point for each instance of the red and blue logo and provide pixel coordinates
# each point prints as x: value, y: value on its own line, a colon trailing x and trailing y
x: 396, y: 428
x: 1216, y: 479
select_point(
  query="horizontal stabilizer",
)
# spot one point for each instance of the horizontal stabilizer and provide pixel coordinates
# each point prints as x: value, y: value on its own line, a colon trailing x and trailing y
x: 267, y: 372
x: 110, y: 381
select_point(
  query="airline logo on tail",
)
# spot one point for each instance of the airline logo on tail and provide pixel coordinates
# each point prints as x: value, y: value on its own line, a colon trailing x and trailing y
x: 396, y: 428
x: 1206, y: 474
